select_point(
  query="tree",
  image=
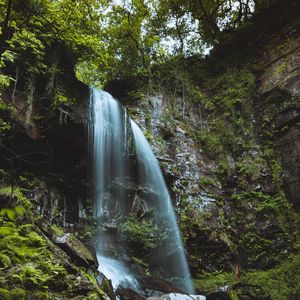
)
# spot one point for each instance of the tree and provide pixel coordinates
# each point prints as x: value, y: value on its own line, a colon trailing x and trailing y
x: 212, y: 17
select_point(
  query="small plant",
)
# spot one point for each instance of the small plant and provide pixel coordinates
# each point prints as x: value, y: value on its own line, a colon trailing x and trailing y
x: 143, y: 232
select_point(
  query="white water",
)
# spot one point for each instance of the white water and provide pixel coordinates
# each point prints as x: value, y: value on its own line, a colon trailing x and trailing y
x: 117, y: 272
x: 110, y: 169
x: 151, y: 176
x: 110, y: 152
x: 111, y: 135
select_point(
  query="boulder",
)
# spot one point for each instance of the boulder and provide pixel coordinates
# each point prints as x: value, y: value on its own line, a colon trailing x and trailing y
x: 128, y: 294
x: 220, y: 295
x: 159, y: 284
x: 174, y: 296
x: 77, y: 251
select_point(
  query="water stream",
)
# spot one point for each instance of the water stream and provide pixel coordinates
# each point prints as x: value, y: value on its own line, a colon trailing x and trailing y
x: 122, y: 155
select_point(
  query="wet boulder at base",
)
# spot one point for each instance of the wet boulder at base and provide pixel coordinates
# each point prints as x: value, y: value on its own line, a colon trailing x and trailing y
x: 128, y: 294
x: 159, y: 284
x: 175, y: 296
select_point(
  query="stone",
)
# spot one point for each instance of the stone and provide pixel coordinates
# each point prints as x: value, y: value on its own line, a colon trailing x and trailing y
x: 77, y: 251
x: 175, y: 296
x: 128, y: 294
x: 218, y: 296
x: 159, y: 284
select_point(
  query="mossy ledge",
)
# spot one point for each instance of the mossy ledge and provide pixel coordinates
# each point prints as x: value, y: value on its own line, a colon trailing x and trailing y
x: 31, y: 265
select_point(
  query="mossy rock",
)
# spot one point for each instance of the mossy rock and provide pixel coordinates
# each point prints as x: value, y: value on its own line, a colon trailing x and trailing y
x: 77, y: 251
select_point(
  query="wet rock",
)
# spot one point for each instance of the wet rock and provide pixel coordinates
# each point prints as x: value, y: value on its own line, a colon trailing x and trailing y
x: 78, y: 252
x: 159, y: 284
x: 218, y: 296
x: 106, y: 286
x: 269, y: 229
x: 81, y: 286
x: 74, y: 248
x: 280, y: 90
x: 175, y: 296
x: 128, y: 294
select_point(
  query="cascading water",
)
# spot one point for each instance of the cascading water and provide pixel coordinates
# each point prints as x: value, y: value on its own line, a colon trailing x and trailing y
x: 114, y: 135
x: 171, y: 258
x: 110, y: 153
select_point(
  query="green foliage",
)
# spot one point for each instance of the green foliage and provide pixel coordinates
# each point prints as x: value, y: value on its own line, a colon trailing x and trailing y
x: 211, y: 143
x: 57, y: 230
x: 209, y: 282
x: 142, y: 231
x: 281, y: 282
x: 19, y: 208
x: 18, y: 193
x: 5, y: 81
x: 5, y: 261
x: 109, y: 39
x: 4, y: 293
x: 210, y: 19
x: 230, y: 127
x: 31, y: 265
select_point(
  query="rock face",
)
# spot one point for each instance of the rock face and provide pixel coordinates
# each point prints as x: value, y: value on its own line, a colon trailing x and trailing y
x: 174, y: 146
x: 239, y: 196
x: 279, y: 99
x: 128, y: 294
x: 53, y: 153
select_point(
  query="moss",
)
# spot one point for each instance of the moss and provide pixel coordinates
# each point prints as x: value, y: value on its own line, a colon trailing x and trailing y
x: 35, y: 239
x: 211, y: 143
x: 149, y: 135
x: 7, y: 230
x: 57, y: 230
x: 31, y: 277
x: 4, y: 294
x: 38, y: 295
x: 207, y: 181
x: 209, y: 282
x: 279, y: 70
x: 140, y: 262
x: 33, y: 266
x: 144, y: 232
x: 5, y: 261
x: 18, y: 294
x: 281, y: 282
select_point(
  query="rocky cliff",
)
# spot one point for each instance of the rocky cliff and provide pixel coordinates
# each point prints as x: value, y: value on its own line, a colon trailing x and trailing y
x: 225, y: 129
x: 226, y: 132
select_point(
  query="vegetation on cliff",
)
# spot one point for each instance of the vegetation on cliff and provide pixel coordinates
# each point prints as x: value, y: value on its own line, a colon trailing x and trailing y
x: 247, y: 236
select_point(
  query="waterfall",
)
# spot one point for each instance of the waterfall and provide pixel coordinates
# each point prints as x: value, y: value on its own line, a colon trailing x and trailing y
x: 110, y: 154
x: 110, y: 157
x: 171, y: 257
x: 117, y: 143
